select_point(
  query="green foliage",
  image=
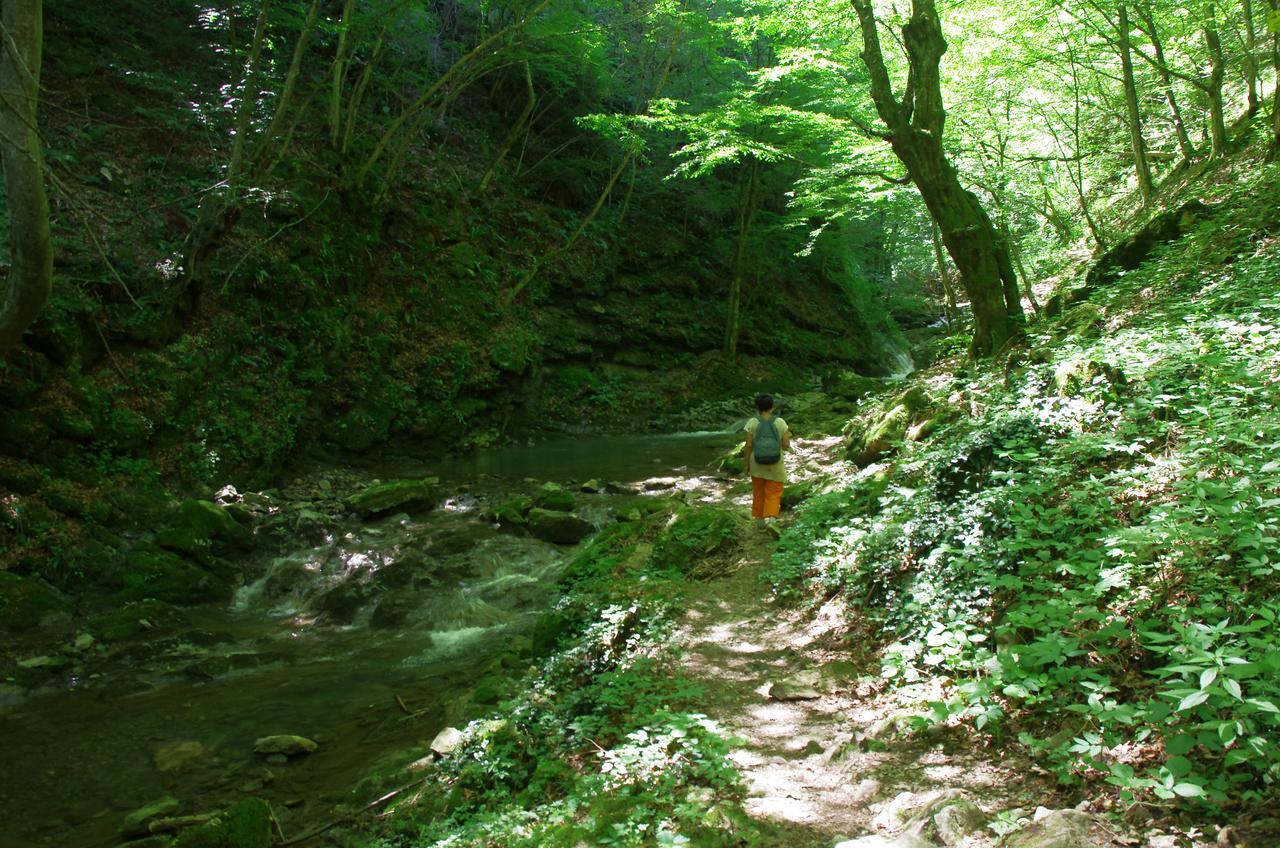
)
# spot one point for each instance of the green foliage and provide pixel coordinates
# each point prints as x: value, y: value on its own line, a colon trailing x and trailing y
x: 1090, y: 562
x: 599, y: 743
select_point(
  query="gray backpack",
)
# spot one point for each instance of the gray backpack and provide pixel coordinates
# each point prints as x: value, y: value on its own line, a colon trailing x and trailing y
x: 766, y: 449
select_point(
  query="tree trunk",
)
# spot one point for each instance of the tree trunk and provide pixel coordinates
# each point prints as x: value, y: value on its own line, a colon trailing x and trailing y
x: 30, y: 246
x: 1185, y: 146
x: 1275, y: 93
x: 1145, y: 187
x: 915, y: 131
x: 949, y: 308
x: 1250, y: 61
x: 746, y: 215
x: 1016, y: 253
x: 1213, y: 85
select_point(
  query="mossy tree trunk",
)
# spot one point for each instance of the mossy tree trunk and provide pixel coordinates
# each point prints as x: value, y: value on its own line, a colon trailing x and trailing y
x: 1146, y: 189
x: 1212, y: 86
x: 915, y: 132
x: 30, y: 246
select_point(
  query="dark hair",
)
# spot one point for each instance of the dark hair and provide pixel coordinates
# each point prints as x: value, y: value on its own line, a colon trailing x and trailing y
x: 764, y: 403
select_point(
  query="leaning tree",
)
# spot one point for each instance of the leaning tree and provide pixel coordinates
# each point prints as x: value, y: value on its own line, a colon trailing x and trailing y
x: 914, y: 126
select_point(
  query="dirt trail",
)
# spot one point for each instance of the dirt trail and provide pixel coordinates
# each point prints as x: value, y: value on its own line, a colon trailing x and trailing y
x: 821, y: 752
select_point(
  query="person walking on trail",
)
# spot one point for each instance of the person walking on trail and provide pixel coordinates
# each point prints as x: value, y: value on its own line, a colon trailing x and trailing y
x: 767, y: 439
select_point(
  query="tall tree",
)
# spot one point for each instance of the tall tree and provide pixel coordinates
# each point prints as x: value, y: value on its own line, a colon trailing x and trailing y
x: 30, y: 246
x: 915, y: 125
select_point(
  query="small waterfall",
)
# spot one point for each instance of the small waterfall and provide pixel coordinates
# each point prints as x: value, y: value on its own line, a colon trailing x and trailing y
x: 899, y: 357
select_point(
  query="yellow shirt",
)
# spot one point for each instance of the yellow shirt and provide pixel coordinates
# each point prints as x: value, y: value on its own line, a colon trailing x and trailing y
x: 778, y: 470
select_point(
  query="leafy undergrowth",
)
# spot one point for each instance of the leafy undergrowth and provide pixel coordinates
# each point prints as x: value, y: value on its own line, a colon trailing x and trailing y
x: 1088, y: 556
x: 600, y: 744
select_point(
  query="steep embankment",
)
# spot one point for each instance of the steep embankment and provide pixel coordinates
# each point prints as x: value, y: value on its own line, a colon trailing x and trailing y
x: 328, y: 322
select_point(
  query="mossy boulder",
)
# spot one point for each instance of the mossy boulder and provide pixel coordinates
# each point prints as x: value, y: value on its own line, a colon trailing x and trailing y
x: 209, y: 519
x: 200, y: 527
x: 512, y: 512
x: 876, y: 434
x: 554, y: 497
x: 245, y: 824
x: 640, y: 507
x: 395, y: 496
x: 25, y: 602
x: 560, y: 528
x: 694, y: 539
x: 731, y: 461
x: 149, y: 571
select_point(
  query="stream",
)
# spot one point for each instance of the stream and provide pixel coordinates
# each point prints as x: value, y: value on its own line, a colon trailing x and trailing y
x: 364, y: 637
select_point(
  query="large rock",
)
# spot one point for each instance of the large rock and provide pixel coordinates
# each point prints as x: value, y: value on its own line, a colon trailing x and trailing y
x: 561, y: 528
x: 1061, y: 829
x: 209, y: 519
x: 24, y: 603
x: 290, y: 746
x: 555, y: 497
x: 151, y: 572
x: 905, y: 840
x: 447, y: 741
x: 395, y: 496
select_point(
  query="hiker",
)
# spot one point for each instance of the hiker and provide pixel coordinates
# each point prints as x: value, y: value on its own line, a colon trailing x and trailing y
x: 767, y: 439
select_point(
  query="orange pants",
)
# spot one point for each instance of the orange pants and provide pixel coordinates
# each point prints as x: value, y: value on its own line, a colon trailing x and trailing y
x: 766, y: 498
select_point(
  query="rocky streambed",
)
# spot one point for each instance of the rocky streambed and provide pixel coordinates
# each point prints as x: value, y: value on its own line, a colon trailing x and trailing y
x: 368, y: 608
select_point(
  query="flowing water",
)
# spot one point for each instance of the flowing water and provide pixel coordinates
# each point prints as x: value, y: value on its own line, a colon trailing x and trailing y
x: 359, y: 636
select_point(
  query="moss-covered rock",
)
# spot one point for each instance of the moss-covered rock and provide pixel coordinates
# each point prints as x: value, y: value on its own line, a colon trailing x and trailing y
x: 876, y: 434
x: 395, y: 496
x: 149, y: 571
x: 561, y: 528
x: 25, y: 602
x: 641, y: 507
x: 554, y: 497
x: 245, y: 824
x: 209, y: 519
x: 694, y: 539
x: 512, y: 512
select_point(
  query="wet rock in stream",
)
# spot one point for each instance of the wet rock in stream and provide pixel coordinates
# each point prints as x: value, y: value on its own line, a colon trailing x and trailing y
x: 560, y: 528
x: 285, y: 745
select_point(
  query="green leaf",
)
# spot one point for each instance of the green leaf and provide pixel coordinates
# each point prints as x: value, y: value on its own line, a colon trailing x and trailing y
x: 1178, y: 766
x: 1195, y: 699
x: 1265, y: 706
x: 1207, y: 677
x: 1188, y: 790
x: 1233, y: 689
x: 1180, y: 744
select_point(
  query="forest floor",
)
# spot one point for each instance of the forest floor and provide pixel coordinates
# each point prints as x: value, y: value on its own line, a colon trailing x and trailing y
x: 819, y: 741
